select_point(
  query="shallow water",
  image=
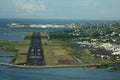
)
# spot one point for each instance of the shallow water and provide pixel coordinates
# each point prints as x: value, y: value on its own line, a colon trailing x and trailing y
x: 5, y: 56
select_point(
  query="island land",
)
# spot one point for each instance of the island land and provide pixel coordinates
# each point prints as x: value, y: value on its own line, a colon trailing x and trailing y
x: 58, y: 50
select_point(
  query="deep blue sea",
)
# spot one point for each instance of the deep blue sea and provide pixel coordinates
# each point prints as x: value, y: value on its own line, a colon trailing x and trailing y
x: 75, y: 73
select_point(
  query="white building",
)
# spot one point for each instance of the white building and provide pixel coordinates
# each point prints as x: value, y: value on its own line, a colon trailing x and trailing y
x: 107, y: 46
x: 116, y: 51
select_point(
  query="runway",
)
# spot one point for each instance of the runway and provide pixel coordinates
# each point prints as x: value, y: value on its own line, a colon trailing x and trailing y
x: 35, y: 55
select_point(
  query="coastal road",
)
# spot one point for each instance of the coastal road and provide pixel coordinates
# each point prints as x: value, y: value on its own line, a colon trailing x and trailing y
x: 35, y: 56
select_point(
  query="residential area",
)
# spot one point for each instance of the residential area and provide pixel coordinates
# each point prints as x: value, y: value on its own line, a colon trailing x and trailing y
x: 100, y: 40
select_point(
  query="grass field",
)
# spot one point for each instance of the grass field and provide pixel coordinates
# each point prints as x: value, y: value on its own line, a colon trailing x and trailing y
x: 53, y: 52
x: 20, y: 47
x: 88, y: 58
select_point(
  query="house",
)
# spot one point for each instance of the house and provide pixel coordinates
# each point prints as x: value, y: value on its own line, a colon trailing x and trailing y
x: 107, y: 46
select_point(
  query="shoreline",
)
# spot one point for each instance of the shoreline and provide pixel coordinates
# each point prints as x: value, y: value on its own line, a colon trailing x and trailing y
x: 47, y: 66
x: 91, y: 67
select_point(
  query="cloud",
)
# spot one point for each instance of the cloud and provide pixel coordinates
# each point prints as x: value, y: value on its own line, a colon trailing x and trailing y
x: 29, y: 6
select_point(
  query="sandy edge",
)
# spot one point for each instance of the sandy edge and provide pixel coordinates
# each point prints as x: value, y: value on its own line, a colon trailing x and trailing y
x: 48, y: 66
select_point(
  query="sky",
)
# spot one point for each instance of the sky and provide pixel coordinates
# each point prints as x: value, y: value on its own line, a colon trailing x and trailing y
x: 61, y: 9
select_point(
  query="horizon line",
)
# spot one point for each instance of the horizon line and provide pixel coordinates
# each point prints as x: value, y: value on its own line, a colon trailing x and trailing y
x: 64, y: 19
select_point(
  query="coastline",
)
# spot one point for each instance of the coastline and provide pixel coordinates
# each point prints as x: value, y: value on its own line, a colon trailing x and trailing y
x: 49, y: 46
x: 91, y: 67
x: 47, y: 66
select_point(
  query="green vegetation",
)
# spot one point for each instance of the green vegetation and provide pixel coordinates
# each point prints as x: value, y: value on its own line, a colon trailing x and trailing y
x: 100, y: 33
x: 116, y: 68
x: 57, y: 49
x: 14, y: 59
x: 53, y: 52
x: 8, y: 46
x: 86, y: 57
x: 19, y: 47
x: 60, y: 44
x: 22, y: 47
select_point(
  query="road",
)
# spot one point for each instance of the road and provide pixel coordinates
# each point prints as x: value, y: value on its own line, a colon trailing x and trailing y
x: 35, y: 56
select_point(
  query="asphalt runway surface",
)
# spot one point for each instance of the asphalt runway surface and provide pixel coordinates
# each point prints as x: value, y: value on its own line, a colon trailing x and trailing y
x: 35, y: 55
